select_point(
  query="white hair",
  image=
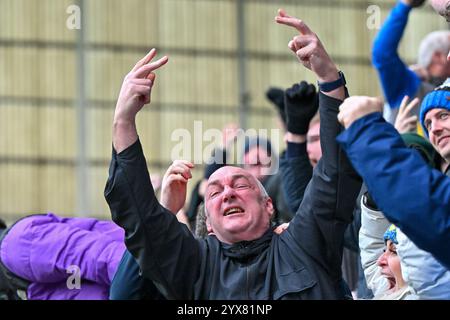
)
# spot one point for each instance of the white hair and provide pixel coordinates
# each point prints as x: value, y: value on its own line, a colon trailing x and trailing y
x: 262, y: 190
x: 437, y: 41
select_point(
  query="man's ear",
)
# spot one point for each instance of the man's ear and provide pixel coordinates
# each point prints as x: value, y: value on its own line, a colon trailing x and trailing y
x: 208, y: 224
x: 269, y: 206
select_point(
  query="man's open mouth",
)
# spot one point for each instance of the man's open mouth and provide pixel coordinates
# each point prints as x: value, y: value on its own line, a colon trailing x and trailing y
x: 233, y: 210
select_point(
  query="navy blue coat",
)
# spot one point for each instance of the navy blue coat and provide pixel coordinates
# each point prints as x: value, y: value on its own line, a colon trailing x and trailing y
x: 411, y: 195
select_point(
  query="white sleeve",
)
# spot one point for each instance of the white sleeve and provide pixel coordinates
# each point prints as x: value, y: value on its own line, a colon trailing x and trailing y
x: 423, y: 273
x: 371, y: 244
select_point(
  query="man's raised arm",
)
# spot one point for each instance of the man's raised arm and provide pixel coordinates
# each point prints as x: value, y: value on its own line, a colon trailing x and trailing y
x: 135, y: 93
x: 330, y: 197
x: 165, y: 249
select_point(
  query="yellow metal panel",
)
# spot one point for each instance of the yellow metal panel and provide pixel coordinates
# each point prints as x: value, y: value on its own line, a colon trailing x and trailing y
x: 19, y: 131
x: 58, y: 189
x: 57, y: 132
x: 35, y: 20
x: 132, y: 22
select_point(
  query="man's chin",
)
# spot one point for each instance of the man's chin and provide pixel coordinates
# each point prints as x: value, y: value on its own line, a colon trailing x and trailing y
x: 445, y: 153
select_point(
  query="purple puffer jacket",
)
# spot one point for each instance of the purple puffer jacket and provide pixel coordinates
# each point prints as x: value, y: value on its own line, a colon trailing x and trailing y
x: 44, y: 248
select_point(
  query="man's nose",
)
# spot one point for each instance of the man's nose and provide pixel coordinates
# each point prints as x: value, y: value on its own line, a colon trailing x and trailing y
x: 436, y: 127
x: 228, y: 193
x: 448, y: 56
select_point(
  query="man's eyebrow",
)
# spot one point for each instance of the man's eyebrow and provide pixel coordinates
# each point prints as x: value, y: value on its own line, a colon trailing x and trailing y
x: 233, y: 178
x: 239, y: 176
x: 214, y: 183
x: 440, y: 112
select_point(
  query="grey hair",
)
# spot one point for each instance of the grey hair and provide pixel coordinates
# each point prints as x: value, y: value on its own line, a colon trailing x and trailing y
x: 262, y: 190
x: 437, y: 41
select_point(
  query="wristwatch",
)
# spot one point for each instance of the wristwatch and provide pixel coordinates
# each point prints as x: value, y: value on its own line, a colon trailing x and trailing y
x: 330, y: 86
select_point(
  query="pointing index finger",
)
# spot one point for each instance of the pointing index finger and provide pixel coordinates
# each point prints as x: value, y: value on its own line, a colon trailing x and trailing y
x: 283, y: 13
x: 145, y: 60
x: 298, y: 24
x: 145, y: 70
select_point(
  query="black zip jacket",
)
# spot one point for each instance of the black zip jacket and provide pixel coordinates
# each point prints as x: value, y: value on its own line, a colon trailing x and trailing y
x: 304, y: 262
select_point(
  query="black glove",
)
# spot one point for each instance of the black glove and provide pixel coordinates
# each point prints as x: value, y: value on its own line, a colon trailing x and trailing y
x: 301, y: 102
x: 276, y: 96
x: 417, y: 3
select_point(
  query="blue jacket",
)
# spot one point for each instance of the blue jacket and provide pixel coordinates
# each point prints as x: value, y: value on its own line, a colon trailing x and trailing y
x: 411, y: 195
x: 397, y: 80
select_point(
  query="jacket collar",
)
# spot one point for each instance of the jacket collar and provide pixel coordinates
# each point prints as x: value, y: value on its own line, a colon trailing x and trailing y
x: 247, y: 250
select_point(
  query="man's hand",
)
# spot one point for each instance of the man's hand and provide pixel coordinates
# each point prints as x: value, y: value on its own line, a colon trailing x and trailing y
x: 311, y: 53
x: 134, y: 94
x: 309, y: 49
x: 281, y: 228
x: 357, y: 107
x: 174, y: 185
x: 137, y: 86
x: 301, y: 103
x: 405, y: 122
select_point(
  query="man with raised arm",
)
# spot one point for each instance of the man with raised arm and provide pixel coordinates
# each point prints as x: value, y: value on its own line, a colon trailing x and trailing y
x: 397, y: 79
x: 241, y: 258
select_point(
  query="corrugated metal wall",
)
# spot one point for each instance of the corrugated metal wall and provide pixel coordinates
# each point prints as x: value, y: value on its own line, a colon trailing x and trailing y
x: 39, y: 91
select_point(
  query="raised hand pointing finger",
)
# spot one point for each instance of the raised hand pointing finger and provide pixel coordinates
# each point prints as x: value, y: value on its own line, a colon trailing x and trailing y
x: 145, y: 70
x: 298, y: 24
x: 149, y: 57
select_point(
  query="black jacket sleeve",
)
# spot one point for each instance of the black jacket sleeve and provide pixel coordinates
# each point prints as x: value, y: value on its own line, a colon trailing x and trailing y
x: 296, y: 173
x: 330, y: 197
x: 351, y: 236
x: 165, y: 249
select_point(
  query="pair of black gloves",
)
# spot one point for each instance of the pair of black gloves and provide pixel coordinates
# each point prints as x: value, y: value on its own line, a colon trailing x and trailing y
x: 298, y: 105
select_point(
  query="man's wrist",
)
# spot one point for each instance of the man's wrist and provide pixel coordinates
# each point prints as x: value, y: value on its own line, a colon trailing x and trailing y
x: 329, y: 76
x: 334, y: 84
x: 124, y: 134
x: 123, y: 122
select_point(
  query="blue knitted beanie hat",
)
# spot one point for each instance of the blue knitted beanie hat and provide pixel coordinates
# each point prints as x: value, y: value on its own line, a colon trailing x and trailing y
x: 439, y: 98
x: 391, y: 234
